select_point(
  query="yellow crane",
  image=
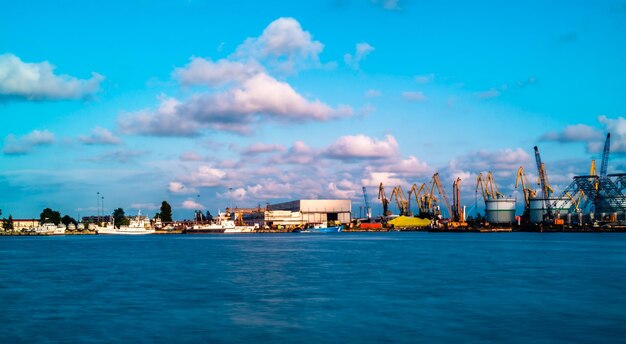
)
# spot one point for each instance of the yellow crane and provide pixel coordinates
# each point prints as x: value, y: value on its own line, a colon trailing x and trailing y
x: 384, y: 200
x: 416, y: 193
x: 528, y: 192
x: 442, y: 192
x: 398, y: 195
x: 458, y: 213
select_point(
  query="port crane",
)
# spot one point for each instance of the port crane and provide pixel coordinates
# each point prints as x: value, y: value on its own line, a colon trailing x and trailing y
x: 543, y: 181
x: 416, y: 192
x: 398, y: 195
x: 436, y: 183
x: 458, y: 214
x: 528, y: 192
x: 605, y: 155
x: 383, y: 198
x: 368, y: 209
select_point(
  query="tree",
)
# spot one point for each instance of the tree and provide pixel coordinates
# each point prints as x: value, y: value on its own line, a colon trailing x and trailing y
x: 209, y: 217
x: 120, y: 217
x: 66, y: 220
x: 7, y: 225
x: 50, y: 216
x: 166, y: 212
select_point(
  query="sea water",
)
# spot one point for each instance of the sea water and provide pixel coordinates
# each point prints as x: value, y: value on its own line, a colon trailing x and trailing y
x: 344, y: 287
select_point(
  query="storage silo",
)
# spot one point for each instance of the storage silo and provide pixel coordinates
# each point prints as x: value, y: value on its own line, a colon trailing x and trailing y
x: 539, y: 207
x: 500, y: 210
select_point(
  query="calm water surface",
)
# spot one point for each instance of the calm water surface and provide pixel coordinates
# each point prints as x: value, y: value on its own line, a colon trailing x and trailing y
x: 383, y: 287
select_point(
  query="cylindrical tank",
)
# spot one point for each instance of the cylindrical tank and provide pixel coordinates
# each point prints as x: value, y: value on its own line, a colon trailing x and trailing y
x: 538, y: 207
x: 500, y: 210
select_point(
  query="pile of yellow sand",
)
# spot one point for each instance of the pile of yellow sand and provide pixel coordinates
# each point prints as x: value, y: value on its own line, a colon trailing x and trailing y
x: 409, y: 222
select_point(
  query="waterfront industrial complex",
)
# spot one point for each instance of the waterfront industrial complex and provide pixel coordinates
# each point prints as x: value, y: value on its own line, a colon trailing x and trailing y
x: 593, y: 202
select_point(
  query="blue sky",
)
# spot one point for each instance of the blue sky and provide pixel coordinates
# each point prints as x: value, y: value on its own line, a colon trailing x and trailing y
x: 146, y: 101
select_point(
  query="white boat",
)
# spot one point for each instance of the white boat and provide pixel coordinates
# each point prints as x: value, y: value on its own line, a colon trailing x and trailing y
x: 137, y: 226
x: 242, y: 229
x: 50, y: 229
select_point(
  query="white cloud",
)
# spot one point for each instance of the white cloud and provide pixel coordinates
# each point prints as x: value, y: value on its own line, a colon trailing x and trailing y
x: 414, y: 96
x: 122, y: 156
x: 14, y: 145
x: 190, y: 156
x: 206, y: 72
x: 507, y: 160
x: 203, y: 176
x: 99, y: 136
x: 260, y: 148
x: 362, y: 50
x: 234, y: 110
x: 344, y: 189
x: 284, y: 45
x: 191, y: 204
x: 362, y: 147
x: 574, y: 133
x: 37, y: 81
x: 299, y: 153
x: 617, y: 128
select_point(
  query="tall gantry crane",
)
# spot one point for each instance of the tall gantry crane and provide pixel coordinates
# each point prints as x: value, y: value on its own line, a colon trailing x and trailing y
x: 383, y: 198
x: 368, y: 209
x: 605, y: 155
x: 398, y: 195
x: 543, y: 179
x: 457, y: 213
x: 416, y: 193
x: 442, y: 192
x: 528, y: 192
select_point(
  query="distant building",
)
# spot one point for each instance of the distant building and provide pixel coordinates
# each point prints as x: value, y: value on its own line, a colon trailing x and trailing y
x: 308, y: 211
x: 23, y: 224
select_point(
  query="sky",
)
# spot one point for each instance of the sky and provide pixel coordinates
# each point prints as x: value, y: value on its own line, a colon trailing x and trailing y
x: 209, y: 104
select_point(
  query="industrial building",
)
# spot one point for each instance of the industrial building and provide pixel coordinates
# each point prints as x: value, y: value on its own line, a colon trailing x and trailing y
x: 308, y: 211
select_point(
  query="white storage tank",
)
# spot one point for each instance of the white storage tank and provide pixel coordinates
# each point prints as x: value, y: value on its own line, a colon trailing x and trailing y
x: 500, y: 210
x: 538, y: 208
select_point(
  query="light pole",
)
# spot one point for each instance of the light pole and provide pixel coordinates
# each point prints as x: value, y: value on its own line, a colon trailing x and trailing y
x: 98, y: 206
x: 102, y: 205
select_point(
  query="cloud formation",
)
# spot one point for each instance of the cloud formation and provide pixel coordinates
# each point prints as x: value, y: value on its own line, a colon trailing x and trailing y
x: 14, y: 145
x: 574, y: 133
x: 37, y: 81
x: 99, y: 136
x: 362, y: 50
x: 284, y: 46
x: 241, y: 92
x: 362, y: 147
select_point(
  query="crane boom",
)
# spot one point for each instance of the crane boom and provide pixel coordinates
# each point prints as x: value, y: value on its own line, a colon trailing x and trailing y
x: 480, y: 182
x: 605, y: 155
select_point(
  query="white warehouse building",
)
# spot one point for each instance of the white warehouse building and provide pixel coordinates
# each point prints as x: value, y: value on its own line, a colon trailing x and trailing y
x: 308, y: 211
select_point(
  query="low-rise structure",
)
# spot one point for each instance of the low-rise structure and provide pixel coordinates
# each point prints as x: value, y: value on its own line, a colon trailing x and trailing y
x: 308, y: 211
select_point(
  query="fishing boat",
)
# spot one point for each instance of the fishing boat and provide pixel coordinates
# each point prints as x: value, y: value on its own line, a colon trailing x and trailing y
x: 137, y: 226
